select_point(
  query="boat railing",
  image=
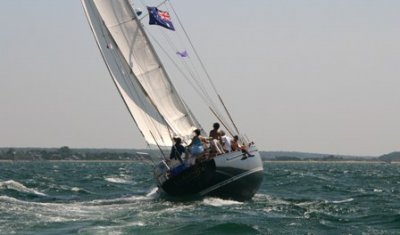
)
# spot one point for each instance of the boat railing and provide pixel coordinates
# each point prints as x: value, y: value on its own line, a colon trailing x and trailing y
x: 163, y: 170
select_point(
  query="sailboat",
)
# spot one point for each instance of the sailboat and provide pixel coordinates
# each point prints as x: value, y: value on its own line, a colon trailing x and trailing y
x: 140, y: 68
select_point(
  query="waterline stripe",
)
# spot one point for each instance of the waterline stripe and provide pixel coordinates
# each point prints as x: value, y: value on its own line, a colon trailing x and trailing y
x: 225, y: 182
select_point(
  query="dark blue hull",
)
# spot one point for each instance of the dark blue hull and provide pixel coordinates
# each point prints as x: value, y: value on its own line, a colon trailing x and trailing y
x: 227, y: 182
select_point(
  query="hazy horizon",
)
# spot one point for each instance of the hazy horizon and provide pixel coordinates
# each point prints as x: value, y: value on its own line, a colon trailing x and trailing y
x: 307, y: 76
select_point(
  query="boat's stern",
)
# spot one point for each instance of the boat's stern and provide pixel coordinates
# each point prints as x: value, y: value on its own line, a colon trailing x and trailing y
x: 239, y: 175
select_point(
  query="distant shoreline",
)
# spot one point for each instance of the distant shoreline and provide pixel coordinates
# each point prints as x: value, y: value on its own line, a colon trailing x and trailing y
x: 66, y: 154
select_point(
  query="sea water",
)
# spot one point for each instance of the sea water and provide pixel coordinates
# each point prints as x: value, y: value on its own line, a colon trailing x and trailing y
x: 121, y: 198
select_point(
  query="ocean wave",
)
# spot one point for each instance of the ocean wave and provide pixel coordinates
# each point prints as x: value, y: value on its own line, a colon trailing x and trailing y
x: 14, y: 185
x: 8, y: 199
x: 343, y: 201
x: 68, y: 188
x: 75, y: 189
x: 307, y: 204
x: 122, y: 200
x: 152, y: 192
x: 49, y: 212
x: 101, y: 210
x: 80, y: 190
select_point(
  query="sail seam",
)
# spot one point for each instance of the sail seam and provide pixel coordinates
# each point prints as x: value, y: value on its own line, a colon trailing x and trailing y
x: 121, y: 23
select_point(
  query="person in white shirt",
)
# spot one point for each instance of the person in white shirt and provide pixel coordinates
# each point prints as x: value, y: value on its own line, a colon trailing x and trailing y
x: 226, y: 142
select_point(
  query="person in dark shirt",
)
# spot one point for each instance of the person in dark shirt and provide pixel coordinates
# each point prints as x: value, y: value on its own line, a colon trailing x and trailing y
x: 177, y: 150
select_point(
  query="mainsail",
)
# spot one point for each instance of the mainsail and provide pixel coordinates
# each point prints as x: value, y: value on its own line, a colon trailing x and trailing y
x: 138, y: 73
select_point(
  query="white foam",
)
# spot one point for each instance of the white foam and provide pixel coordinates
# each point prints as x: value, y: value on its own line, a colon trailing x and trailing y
x: 117, y: 200
x: 220, y: 202
x: 33, y: 212
x: 273, y: 209
x: 306, y: 204
x: 378, y: 190
x: 113, y: 230
x: 138, y: 223
x: 117, y: 180
x: 271, y: 200
x: 14, y: 185
x: 175, y: 208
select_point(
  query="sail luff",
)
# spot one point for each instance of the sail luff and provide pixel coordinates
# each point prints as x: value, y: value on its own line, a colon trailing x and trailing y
x: 146, y: 117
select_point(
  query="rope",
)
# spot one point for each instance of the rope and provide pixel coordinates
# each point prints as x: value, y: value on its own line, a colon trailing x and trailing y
x: 194, y: 49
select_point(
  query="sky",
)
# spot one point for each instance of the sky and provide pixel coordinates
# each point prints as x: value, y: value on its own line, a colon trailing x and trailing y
x: 305, y: 75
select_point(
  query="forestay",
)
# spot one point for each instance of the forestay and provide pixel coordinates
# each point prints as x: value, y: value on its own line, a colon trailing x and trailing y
x: 138, y: 73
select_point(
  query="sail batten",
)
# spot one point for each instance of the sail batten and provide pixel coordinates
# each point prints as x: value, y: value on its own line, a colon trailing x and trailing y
x: 138, y: 73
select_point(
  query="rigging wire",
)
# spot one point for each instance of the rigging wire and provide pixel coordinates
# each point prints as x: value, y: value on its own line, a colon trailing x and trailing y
x: 195, y: 79
x: 194, y: 74
x: 201, y: 62
x: 202, y: 92
x: 196, y: 88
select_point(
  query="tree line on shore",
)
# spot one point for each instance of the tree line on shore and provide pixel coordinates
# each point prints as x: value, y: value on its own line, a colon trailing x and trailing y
x: 66, y: 153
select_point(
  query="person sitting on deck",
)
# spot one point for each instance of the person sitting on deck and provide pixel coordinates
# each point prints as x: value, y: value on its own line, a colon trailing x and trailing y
x: 226, y: 142
x: 215, y: 138
x: 236, y: 147
x: 177, y: 150
x: 196, y: 147
x: 235, y: 143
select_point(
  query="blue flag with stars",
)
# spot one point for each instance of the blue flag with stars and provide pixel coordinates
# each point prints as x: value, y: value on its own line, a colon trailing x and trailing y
x: 160, y: 18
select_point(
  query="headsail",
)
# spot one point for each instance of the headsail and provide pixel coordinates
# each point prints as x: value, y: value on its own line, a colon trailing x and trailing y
x: 137, y: 72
